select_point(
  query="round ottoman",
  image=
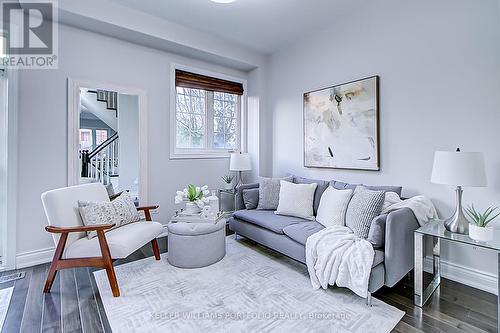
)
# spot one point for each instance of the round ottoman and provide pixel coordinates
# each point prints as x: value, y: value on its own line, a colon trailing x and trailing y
x: 194, y: 245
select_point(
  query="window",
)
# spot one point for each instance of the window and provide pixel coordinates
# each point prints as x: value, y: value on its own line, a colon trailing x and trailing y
x: 207, y: 116
x: 85, y: 139
x: 101, y: 135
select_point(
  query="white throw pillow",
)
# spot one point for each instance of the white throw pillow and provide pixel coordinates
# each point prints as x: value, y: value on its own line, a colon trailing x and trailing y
x: 296, y: 200
x: 333, y: 206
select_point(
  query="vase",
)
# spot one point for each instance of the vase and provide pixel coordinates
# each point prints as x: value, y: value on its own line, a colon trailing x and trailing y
x: 228, y: 186
x: 192, y: 208
x: 482, y: 234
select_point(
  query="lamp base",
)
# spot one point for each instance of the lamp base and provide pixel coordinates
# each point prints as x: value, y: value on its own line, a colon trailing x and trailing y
x: 458, y: 223
x: 239, y: 180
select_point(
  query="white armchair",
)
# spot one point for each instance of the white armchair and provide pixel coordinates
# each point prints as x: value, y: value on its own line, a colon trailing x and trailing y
x: 74, y: 249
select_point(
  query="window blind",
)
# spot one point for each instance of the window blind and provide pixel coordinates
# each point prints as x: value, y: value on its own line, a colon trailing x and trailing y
x: 197, y: 81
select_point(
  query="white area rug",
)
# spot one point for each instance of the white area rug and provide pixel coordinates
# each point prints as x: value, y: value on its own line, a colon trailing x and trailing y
x: 5, y: 296
x: 251, y: 290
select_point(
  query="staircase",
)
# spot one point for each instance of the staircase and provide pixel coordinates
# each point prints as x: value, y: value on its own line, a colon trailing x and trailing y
x: 109, y: 97
x: 101, y: 164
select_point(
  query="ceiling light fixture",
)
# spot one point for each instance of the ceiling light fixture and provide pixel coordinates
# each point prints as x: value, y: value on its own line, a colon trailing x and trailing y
x: 223, y: 1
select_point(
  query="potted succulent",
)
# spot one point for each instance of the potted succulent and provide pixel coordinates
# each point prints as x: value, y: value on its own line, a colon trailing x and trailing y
x: 194, y: 196
x: 228, y: 181
x: 478, y: 229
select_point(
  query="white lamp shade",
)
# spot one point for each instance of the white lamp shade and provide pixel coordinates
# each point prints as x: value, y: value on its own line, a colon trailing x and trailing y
x: 240, y: 162
x: 459, y: 168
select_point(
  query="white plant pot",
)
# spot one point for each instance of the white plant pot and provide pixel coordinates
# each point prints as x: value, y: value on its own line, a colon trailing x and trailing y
x: 482, y: 234
x: 228, y: 186
x: 192, y: 208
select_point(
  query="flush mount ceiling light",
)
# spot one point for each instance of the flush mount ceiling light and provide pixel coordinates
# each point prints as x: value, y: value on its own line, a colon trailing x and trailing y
x: 223, y: 1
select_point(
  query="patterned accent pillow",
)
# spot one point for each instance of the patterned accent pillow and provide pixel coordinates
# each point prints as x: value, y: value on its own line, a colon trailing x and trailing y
x: 269, y: 192
x: 120, y: 211
x: 364, y: 206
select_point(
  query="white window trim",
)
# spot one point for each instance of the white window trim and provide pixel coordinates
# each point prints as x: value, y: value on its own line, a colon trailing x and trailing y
x: 176, y: 153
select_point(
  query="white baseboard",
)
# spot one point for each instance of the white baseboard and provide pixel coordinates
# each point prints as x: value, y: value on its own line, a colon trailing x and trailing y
x: 32, y: 258
x: 465, y: 275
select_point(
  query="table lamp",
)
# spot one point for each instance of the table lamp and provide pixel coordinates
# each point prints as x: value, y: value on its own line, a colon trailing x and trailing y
x: 458, y: 169
x: 239, y: 162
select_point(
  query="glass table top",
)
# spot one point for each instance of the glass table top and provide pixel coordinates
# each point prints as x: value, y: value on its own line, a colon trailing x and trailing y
x: 436, y: 228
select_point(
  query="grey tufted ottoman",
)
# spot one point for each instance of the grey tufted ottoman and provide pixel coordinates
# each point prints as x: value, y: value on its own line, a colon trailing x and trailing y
x: 194, y: 245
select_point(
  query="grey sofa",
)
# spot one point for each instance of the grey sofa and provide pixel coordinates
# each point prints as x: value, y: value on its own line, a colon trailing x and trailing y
x: 390, y: 234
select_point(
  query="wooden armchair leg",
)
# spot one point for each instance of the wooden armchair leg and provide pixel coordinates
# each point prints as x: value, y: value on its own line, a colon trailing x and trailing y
x: 53, y: 266
x: 156, y: 251
x: 108, y: 263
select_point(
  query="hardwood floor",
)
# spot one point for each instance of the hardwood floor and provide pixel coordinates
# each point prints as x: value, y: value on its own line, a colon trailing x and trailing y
x: 74, y: 305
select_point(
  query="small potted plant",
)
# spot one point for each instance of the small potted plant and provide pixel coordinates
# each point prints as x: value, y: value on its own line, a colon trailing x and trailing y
x: 478, y: 229
x: 195, y: 197
x: 228, y: 181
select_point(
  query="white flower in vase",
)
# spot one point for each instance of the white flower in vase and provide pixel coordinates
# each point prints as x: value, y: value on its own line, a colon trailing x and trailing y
x: 195, y: 197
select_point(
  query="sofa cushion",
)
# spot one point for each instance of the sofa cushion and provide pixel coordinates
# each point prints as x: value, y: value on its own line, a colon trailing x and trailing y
x: 267, y: 219
x: 251, y: 198
x: 385, y: 188
x: 121, y: 241
x: 269, y: 192
x: 322, y: 186
x: 342, y: 186
x: 301, y: 231
x: 378, y: 258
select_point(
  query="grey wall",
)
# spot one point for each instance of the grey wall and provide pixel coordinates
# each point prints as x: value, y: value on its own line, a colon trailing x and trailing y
x: 43, y: 114
x: 128, y: 130
x: 439, y: 67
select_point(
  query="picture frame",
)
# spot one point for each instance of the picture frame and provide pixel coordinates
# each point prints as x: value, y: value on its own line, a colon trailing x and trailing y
x: 341, y: 126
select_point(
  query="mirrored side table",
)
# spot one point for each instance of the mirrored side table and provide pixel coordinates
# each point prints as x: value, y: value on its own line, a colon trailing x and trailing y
x: 227, y: 200
x: 436, y: 232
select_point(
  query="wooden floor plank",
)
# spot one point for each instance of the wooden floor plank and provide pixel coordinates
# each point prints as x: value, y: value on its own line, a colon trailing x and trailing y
x: 16, y: 308
x: 51, y: 321
x: 97, y: 297
x: 32, y: 316
x: 89, y: 312
x: 454, y: 308
x: 70, y: 317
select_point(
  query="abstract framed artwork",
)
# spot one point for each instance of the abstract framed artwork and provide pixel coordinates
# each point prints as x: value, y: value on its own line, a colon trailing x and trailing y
x: 341, y: 126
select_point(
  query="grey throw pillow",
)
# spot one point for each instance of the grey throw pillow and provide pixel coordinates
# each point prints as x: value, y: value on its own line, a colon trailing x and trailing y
x: 251, y: 198
x: 120, y: 211
x: 269, y: 192
x: 364, y: 206
x: 376, y: 235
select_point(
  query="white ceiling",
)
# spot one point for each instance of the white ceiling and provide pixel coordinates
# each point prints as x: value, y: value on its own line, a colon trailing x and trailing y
x: 261, y: 25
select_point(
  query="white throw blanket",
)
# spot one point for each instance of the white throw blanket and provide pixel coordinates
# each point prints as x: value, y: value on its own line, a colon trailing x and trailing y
x: 335, y: 255
x: 421, y: 206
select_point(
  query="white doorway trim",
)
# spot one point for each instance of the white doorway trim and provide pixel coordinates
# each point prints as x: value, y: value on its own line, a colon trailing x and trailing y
x: 8, y: 220
x: 74, y: 86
